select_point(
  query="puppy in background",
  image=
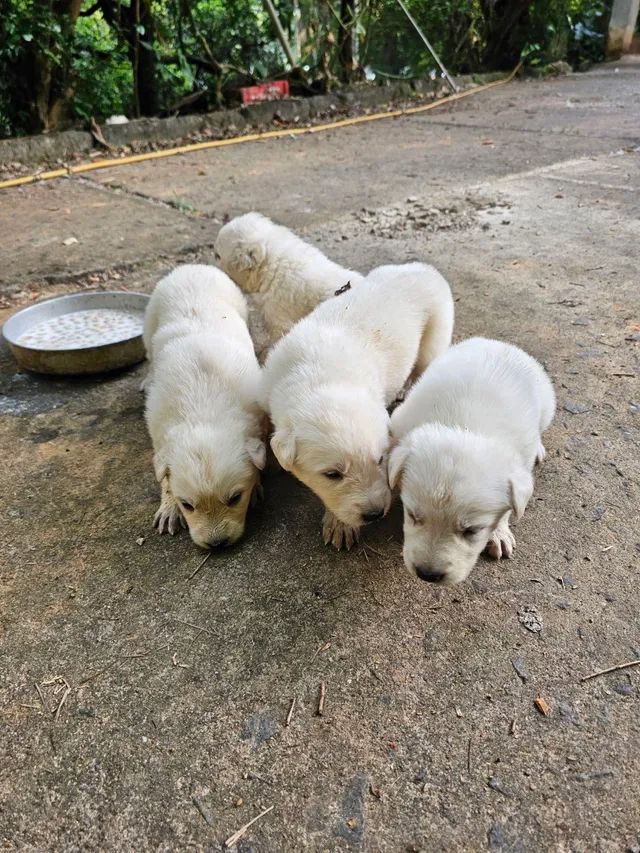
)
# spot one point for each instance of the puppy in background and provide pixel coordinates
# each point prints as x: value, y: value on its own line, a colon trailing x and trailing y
x: 328, y: 383
x: 205, y: 424
x: 468, y: 433
x: 287, y: 277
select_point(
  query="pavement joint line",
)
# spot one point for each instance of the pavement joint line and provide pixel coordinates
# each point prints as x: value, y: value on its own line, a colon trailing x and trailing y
x: 585, y: 183
x: 533, y: 130
x: 543, y: 171
x: 150, y: 199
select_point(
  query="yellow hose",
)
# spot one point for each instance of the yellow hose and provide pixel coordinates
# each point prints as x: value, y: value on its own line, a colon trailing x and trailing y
x: 251, y: 137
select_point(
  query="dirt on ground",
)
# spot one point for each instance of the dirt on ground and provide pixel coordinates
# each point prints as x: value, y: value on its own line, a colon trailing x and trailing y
x: 147, y: 706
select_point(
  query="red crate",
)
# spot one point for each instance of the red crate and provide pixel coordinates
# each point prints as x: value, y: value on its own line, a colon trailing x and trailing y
x: 272, y: 90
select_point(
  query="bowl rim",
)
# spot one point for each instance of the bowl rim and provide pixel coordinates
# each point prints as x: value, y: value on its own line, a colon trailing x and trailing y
x: 13, y: 341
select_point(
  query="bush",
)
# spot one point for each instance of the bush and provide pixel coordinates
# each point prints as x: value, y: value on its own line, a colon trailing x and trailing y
x: 158, y: 55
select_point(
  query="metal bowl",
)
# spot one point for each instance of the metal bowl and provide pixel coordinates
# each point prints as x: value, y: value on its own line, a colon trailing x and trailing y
x: 97, y: 358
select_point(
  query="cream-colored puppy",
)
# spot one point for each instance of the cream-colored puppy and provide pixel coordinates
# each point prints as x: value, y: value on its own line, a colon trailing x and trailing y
x: 287, y: 277
x: 201, y: 408
x: 328, y: 383
x: 469, y: 434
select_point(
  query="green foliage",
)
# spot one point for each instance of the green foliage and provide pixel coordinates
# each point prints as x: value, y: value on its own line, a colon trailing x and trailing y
x: 23, y: 25
x: 103, y: 77
x: 203, y: 50
x: 572, y: 30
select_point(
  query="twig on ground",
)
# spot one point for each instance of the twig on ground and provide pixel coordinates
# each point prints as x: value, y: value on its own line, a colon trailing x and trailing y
x: 62, y: 684
x: 291, y: 709
x: 44, y: 704
x: 191, y: 625
x: 98, y: 136
x: 469, y: 757
x: 199, y: 566
x: 373, y: 550
x: 322, y: 648
x: 63, y: 699
x: 25, y: 705
x: 145, y: 654
x: 321, y: 698
x: 233, y: 839
x: 96, y: 674
x: 611, y: 669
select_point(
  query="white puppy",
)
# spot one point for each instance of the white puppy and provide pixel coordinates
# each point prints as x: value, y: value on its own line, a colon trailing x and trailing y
x: 287, y: 277
x: 469, y: 434
x: 328, y: 383
x: 201, y: 409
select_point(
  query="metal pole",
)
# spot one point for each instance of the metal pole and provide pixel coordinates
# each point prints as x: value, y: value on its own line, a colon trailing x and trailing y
x: 445, y: 73
x: 271, y: 9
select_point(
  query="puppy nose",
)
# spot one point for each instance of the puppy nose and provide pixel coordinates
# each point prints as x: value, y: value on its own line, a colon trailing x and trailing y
x: 218, y: 543
x: 374, y: 515
x: 427, y: 574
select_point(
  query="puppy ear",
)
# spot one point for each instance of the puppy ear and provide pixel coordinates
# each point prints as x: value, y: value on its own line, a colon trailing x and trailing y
x: 283, y: 444
x: 397, y: 460
x: 257, y: 452
x: 250, y: 257
x: 520, y: 490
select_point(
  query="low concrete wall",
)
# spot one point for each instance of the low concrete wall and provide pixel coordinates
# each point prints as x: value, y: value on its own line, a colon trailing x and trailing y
x: 52, y: 147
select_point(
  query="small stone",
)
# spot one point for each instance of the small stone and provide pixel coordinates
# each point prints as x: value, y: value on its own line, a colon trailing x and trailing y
x: 238, y: 802
x: 530, y: 619
x: 520, y: 669
x: 496, y: 837
x: 575, y: 408
x: 568, y: 713
x: 140, y: 540
x: 624, y: 688
x: 598, y: 512
x: 496, y: 785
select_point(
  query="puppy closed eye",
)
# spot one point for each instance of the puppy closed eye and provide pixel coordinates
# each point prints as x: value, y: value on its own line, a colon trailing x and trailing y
x: 334, y: 475
x: 234, y: 499
x: 413, y: 518
x: 381, y: 460
x: 216, y: 256
x: 186, y: 505
x: 470, y: 532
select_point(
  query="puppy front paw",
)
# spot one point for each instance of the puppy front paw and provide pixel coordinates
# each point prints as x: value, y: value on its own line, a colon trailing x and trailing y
x: 168, y: 518
x: 338, y: 534
x: 502, y: 542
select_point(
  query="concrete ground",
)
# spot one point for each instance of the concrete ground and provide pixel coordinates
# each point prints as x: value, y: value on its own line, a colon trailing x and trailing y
x: 169, y: 729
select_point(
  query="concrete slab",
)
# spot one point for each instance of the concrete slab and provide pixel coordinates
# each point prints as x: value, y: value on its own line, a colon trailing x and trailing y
x: 173, y: 733
x: 109, y: 229
x: 317, y: 171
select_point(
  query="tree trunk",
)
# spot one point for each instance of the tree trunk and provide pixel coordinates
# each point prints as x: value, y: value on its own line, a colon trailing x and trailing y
x: 345, y: 39
x: 44, y: 69
x: 145, y: 78
x: 506, y: 32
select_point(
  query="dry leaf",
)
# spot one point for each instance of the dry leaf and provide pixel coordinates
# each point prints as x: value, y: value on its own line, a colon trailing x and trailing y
x: 542, y: 705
